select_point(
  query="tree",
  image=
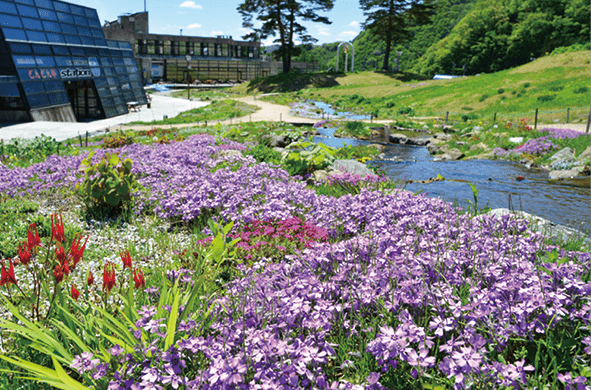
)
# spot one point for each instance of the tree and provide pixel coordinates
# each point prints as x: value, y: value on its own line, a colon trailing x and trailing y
x: 392, y: 20
x: 280, y: 17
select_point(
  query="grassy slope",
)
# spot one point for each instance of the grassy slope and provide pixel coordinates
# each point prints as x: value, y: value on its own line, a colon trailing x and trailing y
x: 558, y: 76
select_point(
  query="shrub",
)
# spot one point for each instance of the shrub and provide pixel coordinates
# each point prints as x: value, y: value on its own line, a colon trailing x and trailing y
x: 546, y: 98
x: 390, y: 104
x: 406, y: 111
x: 500, y: 91
x: 581, y: 89
x: 118, y: 140
x: 526, y: 85
x: 483, y: 98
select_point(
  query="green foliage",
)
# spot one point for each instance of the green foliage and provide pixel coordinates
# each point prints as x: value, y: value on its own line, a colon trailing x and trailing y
x: 108, y: 185
x: 216, y: 110
x: 572, y: 48
x: 265, y: 154
x: 582, y: 89
x: 19, y: 152
x: 118, y: 140
x: 546, y: 98
x: 359, y: 152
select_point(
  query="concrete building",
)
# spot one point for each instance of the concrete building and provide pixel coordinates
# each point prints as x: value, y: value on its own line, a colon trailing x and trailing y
x: 164, y: 57
x: 57, y: 65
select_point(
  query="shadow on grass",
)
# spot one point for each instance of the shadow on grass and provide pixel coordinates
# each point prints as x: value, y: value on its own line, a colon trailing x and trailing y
x: 294, y: 81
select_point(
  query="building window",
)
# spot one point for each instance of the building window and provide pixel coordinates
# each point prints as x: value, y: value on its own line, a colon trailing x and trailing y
x: 174, y: 48
x: 159, y: 47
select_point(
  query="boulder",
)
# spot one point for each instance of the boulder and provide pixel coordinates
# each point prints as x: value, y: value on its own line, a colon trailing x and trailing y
x: 418, y: 141
x: 273, y: 140
x: 452, y: 155
x: 564, y: 154
x: 586, y: 154
x: 448, y: 129
x: 397, y: 138
x: 555, y: 232
x: 566, y: 173
x: 481, y: 145
x: 352, y: 166
x: 516, y: 140
x: 442, y: 136
x: 471, y: 133
x: 227, y: 153
x: 379, y: 147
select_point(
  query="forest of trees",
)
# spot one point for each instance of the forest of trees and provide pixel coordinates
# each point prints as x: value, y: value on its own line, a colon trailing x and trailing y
x: 484, y: 35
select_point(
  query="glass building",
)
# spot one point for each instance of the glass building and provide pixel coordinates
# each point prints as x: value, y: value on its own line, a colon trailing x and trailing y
x: 55, y: 64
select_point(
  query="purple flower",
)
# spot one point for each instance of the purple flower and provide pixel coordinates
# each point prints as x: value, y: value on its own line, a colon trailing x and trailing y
x: 84, y: 362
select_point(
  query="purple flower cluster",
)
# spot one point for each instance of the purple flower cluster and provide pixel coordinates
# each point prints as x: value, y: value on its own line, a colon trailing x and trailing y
x: 538, y: 146
x: 562, y: 133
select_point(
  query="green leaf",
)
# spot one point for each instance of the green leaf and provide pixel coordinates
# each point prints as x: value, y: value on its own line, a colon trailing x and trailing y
x: 171, y: 327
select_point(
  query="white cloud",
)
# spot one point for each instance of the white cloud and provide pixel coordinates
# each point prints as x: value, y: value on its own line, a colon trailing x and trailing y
x: 217, y: 33
x: 323, y: 32
x: 190, y: 4
x: 354, y: 24
x: 348, y: 34
x: 194, y: 25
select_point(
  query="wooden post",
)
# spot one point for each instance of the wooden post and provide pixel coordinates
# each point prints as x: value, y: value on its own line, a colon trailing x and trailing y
x: 536, y: 120
x: 495, y: 117
x: 80, y: 139
x: 588, y: 122
x: 446, y: 116
x: 86, y: 143
x: 567, y: 114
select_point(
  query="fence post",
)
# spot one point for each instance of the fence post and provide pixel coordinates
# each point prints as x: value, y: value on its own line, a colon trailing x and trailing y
x: 446, y: 116
x: 536, y: 120
x: 86, y: 143
x: 495, y: 117
x: 567, y: 114
x: 588, y: 122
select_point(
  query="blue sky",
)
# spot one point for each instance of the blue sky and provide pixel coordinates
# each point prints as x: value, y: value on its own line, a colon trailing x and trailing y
x: 209, y: 18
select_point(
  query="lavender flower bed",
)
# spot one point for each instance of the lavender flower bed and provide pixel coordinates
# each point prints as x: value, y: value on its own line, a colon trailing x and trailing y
x: 414, y: 291
x: 541, y: 145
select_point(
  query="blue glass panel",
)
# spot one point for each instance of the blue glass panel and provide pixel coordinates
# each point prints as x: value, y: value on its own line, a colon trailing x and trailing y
x: 60, y: 50
x: 106, y: 61
x: 129, y: 61
x: 77, y: 51
x: 59, y: 6
x: 80, y: 20
x: 110, y: 112
x: 9, y: 89
x: 91, y: 51
x: 80, y: 61
x: 97, y: 32
x: 100, y: 42
x: 51, y: 26
x: 112, y: 81
x: 8, y: 8
x: 42, y: 49
x: 72, y: 39
x: 65, y: 18
x: 123, y: 78
x: 124, y: 45
x: 32, y: 24
x: 25, y: 10
x: 55, y: 85
x: 14, y: 33
x: 10, y: 21
x: 34, y: 73
x: 20, y: 61
x: 100, y: 82
x: 37, y: 36
x: 64, y: 61
x: 20, y: 48
x: 118, y: 61
x: 47, y: 14
x: 132, y: 69
x: 52, y: 37
x: 27, y: 2
x: 86, y: 41
x: 40, y: 100
x: 104, y: 52
x: 33, y: 87
x: 45, y: 61
x: 58, y: 98
x: 94, y: 23
x: 77, y: 10
x: 113, y: 44
x: 121, y: 69
x: 109, y: 71
x: 134, y: 76
x: 69, y: 28
x: 82, y: 30
x: 127, y: 54
x: 44, y: 4
x: 91, y: 13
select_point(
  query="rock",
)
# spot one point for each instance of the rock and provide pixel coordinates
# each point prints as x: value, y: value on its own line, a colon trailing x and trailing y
x: 481, y: 145
x: 565, y: 173
x: 471, y: 134
x: 418, y: 141
x: 227, y: 153
x: 563, y: 163
x: 452, y: 155
x: 379, y: 147
x: 272, y: 140
x: 442, y: 136
x: 375, y: 133
x: 352, y: 166
x: 516, y: 140
x: 397, y: 138
x: 477, y: 128
x: 482, y: 156
x: 564, y: 154
x: 461, y: 143
x: 319, y: 176
x: 433, y: 148
x: 585, y: 155
x: 554, y: 232
x: 448, y: 129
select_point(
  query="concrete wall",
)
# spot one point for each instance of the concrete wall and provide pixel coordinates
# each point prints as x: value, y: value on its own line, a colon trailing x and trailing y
x: 63, y: 113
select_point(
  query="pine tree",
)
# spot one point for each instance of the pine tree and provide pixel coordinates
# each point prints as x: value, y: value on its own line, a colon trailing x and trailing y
x: 392, y: 20
x: 280, y: 17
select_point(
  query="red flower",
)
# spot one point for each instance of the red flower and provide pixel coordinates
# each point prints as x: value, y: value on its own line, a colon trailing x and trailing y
x: 57, y: 229
x: 7, y: 277
x: 58, y: 273
x: 24, y: 253
x: 60, y: 254
x: 109, y: 276
x: 76, y: 250
x: 66, y: 267
x: 520, y: 178
x: 90, y: 279
x: 126, y: 258
x: 33, y: 239
x: 138, y: 278
x: 75, y: 293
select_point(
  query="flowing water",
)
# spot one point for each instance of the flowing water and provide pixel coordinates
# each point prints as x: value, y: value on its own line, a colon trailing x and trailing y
x: 495, y: 179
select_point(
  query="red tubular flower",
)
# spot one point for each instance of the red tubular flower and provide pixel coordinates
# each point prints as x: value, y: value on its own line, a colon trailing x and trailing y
x: 76, y: 250
x: 60, y: 254
x: 90, y: 280
x: 58, y: 273
x: 109, y: 276
x: 57, y: 228
x: 33, y: 237
x: 24, y: 253
x: 66, y: 267
x: 75, y: 293
x: 138, y: 278
x: 126, y: 258
x: 7, y: 277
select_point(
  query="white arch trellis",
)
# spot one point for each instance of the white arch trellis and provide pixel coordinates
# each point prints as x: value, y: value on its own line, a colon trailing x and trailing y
x: 352, y: 55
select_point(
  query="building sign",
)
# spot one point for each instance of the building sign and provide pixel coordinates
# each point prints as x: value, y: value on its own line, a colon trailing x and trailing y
x: 94, y: 66
x: 38, y: 74
x: 76, y: 73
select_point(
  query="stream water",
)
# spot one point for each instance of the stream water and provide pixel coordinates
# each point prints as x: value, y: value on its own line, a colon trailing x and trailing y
x: 558, y: 202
